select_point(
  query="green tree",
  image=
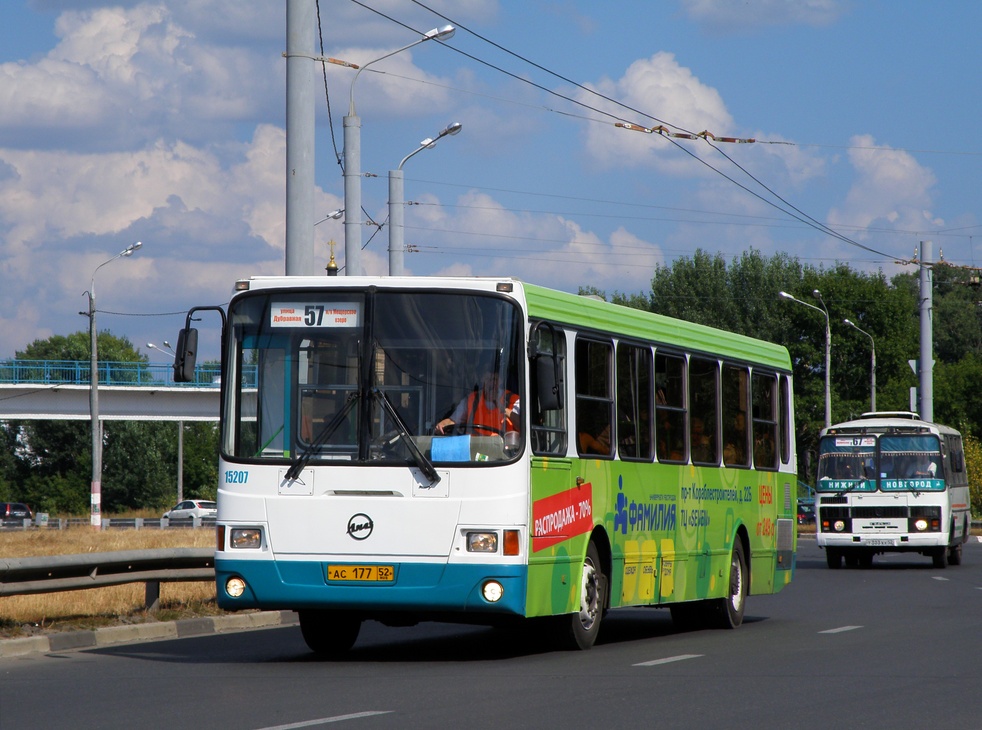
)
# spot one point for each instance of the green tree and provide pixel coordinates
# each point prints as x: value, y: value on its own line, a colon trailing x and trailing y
x: 54, y: 457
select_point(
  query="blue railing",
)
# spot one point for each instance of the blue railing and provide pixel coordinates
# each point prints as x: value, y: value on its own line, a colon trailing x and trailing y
x: 77, y: 372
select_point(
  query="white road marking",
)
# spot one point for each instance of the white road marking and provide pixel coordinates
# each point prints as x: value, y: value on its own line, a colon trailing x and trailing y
x: 840, y: 629
x: 668, y: 660
x: 326, y: 720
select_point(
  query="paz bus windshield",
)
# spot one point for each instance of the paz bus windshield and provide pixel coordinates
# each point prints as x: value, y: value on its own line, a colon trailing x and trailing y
x: 888, y: 462
x: 367, y: 376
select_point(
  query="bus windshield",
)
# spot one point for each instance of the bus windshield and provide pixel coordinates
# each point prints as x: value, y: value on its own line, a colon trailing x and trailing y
x: 374, y: 377
x: 890, y: 462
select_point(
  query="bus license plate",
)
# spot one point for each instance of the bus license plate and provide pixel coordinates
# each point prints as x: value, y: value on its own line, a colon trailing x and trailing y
x: 360, y: 573
x: 880, y: 542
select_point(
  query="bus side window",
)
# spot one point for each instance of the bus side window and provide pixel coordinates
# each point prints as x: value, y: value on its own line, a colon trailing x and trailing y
x: 670, y: 413
x: 634, y: 392
x: 594, y: 397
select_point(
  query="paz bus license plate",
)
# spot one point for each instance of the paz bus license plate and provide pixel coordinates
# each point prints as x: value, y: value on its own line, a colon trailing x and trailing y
x: 370, y: 573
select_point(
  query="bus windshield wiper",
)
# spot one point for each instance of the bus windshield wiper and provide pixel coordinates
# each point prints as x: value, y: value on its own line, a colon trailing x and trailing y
x: 301, y: 461
x: 419, y: 458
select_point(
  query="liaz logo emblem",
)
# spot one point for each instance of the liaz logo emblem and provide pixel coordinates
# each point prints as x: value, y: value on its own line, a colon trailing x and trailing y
x: 360, y: 526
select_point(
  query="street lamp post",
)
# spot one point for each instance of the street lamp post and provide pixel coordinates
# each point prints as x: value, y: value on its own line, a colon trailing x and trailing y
x: 95, y: 517
x: 397, y: 205
x: 828, y: 348
x: 872, y: 367
x: 168, y: 350
x: 352, y: 160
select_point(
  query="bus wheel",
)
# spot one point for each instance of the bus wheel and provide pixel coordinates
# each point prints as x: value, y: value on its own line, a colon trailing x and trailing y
x: 955, y: 554
x: 940, y: 557
x: 329, y: 633
x: 866, y: 559
x: 730, y: 609
x: 584, y: 626
x: 833, y: 558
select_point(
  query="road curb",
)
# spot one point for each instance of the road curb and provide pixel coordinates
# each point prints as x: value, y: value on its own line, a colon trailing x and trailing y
x: 135, y: 633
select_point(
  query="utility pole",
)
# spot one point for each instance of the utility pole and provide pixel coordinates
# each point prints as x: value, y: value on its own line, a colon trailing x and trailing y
x: 926, y: 366
x: 300, y: 24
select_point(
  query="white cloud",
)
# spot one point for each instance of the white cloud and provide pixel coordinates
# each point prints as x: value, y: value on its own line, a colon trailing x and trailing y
x: 121, y: 77
x: 544, y: 248
x: 727, y: 15
x: 661, y: 87
x: 891, y: 188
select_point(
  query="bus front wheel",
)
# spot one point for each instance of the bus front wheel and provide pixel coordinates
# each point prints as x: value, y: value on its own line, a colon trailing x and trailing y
x: 731, y: 607
x: 581, y: 628
x: 329, y: 633
x: 833, y: 558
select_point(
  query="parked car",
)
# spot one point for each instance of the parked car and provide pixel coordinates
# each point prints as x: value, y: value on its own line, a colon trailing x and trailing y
x: 191, y: 508
x: 15, y: 511
x: 806, y: 512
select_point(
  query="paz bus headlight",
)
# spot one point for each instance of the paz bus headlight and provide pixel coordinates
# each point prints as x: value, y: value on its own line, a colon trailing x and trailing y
x: 920, y: 524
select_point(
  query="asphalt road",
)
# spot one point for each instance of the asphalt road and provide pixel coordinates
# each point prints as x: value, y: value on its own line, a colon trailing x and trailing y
x: 894, y: 646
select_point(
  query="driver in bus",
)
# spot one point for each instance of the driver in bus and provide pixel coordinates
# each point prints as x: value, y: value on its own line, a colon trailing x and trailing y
x: 490, y: 410
x: 924, y: 467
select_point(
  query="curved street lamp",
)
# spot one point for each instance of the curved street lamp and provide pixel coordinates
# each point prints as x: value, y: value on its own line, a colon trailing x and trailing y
x: 397, y: 208
x: 872, y: 368
x: 95, y: 517
x: 828, y: 348
x: 352, y: 159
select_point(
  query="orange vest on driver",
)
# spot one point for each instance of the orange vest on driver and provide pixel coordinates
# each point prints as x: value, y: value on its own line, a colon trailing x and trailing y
x: 481, y: 413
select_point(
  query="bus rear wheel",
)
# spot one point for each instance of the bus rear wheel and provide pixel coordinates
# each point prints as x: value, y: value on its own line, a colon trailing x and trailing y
x: 955, y: 554
x: 329, y: 633
x: 580, y: 629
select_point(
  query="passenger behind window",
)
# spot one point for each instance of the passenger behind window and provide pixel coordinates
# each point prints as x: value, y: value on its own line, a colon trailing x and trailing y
x: 595, y: 443
x: 702, y: 445
x: 735, y: 451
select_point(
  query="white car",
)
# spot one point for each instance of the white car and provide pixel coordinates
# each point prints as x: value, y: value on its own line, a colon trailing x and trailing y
x: 191, y: 508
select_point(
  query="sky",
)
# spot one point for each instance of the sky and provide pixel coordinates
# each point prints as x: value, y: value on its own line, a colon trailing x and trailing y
x: 164, y: 122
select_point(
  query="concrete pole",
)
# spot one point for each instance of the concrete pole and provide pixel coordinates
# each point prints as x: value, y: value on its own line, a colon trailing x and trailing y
x: 95, y: 493
x: 352, y: 195
x: 180, y: 461
x: 926, y: 366
x: 397, y: 231
x: 300, y: 25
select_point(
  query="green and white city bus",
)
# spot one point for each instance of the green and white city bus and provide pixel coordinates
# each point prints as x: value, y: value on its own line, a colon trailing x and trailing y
x: 890, y: 482
x: 486, y: 451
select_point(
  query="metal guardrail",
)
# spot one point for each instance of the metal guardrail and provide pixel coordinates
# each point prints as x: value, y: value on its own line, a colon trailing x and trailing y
x: 113, y: 523
x: 77, y: 372
x: 55, y: 573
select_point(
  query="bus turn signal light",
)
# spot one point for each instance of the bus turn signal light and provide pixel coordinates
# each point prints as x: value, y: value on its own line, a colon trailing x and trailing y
x: 511, y: 542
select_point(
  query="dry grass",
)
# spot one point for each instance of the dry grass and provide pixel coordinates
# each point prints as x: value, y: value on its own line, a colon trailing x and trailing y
x: 95, y: 607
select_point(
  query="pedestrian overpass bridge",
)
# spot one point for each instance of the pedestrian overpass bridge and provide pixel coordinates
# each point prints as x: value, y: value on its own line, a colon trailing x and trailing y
x: 128, y: 391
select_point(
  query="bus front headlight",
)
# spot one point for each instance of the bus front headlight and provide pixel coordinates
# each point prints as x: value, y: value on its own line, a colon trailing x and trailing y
x: 245, y: 538
x: 492, y: 591
x: 235, y: 586
x: 839, y: 525
x: 482, y: 542
x: 920, y: 524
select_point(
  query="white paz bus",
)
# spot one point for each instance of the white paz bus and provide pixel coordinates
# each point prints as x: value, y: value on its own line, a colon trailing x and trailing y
x: 890, y: 482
